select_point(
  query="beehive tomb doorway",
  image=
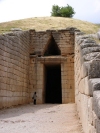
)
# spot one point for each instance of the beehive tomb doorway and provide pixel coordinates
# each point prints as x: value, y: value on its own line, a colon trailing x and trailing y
x: 53, y: 91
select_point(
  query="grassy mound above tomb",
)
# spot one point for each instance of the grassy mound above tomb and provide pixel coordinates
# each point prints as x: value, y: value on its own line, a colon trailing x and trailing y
x: 44, y: 23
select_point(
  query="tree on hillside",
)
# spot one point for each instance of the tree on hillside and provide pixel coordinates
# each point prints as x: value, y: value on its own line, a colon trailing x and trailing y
x: 66, y: 11
x: 55, y: 10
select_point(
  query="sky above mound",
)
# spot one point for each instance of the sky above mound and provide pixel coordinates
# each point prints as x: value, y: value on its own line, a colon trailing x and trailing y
x: 87, y: 10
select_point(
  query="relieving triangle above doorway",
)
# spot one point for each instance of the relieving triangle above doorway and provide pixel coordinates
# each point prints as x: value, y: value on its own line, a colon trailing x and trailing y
x: 52, y: 48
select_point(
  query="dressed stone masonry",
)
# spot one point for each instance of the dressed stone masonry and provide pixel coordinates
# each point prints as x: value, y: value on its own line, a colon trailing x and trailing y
x: 14, y: 69
x: 24, y: 59
x: 87, y: 82
x: 41, y: 54
x: 43, y: 61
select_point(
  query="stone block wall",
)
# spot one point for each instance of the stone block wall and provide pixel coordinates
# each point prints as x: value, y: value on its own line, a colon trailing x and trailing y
x: 32, y: 76
x: 38, y: 44
x: 38, y: 40
x: 22, y: 71
x: 22, y: 65
x: 14, y: 68
x: 87, y: 82
x: 63, y: 38
x: 67, y: 74
x: 36, y: 75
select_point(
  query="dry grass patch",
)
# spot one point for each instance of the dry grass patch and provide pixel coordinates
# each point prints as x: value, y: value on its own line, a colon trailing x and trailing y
x: 44, y: 23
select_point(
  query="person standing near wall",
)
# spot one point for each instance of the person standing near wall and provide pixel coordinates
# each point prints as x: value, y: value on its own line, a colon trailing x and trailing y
x: 34, y: 98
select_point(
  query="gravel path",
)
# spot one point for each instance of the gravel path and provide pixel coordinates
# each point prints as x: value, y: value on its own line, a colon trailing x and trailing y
x: 46, y: 118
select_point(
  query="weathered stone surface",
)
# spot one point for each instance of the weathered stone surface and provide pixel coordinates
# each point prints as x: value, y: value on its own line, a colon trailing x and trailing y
x: 94, y: 118
x: 81, y: 86
x: 87, y: 74
x: 90, y: 108
x: 89, y: 40
x: 14, y: 65
x: 90, y: 50
x: 91, y: 56
x: 94, y: 70
x: 84, y: 112
x: 96, y: 103
x: 91, y: 129
x: 98, y: 126
x: 86, y: 86
x: 79, y: 41
x: 79, y: 33
x: 88, y: 44
x: 98, y: 34
x: 84, y: 69
x: 81, y: 37
x: 94, y: 84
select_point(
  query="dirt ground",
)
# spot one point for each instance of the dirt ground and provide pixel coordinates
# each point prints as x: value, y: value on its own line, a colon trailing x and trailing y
x: 45, y: 118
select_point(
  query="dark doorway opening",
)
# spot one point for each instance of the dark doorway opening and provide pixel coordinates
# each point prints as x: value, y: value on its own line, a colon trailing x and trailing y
x: 53, y: 91
x: 52, y: 48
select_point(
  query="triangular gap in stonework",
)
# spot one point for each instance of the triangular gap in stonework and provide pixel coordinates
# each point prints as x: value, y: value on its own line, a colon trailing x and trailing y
x: 51, y: 48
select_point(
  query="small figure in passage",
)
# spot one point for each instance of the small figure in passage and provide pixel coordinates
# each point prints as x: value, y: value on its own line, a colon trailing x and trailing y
x: 34, y: 98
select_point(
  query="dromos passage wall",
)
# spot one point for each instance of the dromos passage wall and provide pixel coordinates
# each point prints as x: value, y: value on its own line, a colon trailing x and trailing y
x: 24, y: 59
x: 28, y: 60
x: 87, y: 82
x: 14, y: 69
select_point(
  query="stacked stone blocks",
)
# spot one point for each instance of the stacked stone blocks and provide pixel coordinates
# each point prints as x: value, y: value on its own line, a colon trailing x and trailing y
x: 14, y: 61
x: 87, y: 82
x: 22, y: 70
x: 38, y: 44
x: 22, y: 65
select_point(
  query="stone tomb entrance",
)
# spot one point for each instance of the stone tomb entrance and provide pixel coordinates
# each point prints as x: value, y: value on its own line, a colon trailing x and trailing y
x: 52, y: 74
x: 53, y: 91
x: 52, y: 66
x: 36, y: 58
